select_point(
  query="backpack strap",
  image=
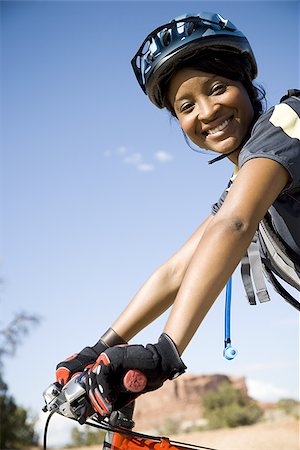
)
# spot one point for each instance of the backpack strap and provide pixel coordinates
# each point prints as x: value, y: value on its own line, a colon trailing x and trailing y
x: 252, y: 263
x: 281, y: 290
x: 282, y: 261
x: 290, y: 93
x: 267, y: 256
x: 247, y: 280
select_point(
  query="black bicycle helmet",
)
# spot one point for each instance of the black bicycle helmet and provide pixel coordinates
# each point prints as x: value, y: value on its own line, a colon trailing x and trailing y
x: 182, y: 38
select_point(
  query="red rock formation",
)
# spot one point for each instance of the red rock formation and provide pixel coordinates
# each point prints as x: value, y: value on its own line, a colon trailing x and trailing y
x: 178, y: 400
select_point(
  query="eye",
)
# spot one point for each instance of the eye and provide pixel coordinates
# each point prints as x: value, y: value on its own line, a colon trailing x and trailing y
x: 186, y: 107
x: 218, y: 88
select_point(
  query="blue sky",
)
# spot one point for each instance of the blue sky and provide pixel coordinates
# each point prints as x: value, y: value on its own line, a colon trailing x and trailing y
x: 99, y: 187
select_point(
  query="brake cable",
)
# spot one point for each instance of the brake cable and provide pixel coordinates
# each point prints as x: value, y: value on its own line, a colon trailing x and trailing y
x: 46, y: 430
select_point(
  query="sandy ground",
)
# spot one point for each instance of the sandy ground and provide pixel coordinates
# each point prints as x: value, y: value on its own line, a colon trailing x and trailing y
x: 283, y: 435
x: 269, y: 436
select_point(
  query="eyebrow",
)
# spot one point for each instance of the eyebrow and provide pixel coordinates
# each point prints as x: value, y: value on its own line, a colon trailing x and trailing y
x: 177, y: 102
x: 203, y: 85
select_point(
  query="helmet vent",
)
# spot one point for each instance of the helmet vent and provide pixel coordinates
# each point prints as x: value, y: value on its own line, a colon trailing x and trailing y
x: 145, y: 48
x: 166, y: 38
x: 190, y: 28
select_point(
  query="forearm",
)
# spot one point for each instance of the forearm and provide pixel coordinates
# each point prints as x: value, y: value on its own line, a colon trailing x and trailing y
x: 154, y: 298
x: 160, y: 290
x: 224, y: 243
x: 215, y: 259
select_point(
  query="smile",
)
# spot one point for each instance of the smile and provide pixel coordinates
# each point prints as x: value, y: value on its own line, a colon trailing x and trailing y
x: 220, y: 127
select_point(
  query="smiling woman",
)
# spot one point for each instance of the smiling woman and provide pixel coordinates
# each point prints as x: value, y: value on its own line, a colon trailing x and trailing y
x: 201, y: 67
x: 215, y: 112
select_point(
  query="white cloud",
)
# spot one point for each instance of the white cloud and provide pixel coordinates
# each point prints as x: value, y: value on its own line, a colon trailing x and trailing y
x: 280, y: 364
x: 143, y: 167
x: 121, y: 150
x: 266, y: 392
x: 134, y: 158
x: 137, y: 161
x: 289, y: 322
x: 163, y: 156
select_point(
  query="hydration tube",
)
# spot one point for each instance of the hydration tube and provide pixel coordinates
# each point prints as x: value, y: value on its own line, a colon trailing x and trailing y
x: 229, y: 352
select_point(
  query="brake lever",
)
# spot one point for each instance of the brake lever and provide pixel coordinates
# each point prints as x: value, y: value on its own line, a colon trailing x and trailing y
x: 72, y: 401
x: 69, y: 400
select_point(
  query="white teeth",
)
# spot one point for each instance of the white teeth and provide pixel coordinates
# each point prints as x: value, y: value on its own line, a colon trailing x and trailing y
x: 219, y: 127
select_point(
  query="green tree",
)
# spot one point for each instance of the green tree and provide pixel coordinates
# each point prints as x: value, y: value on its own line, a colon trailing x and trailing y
x: 86, y: 437
x: 290, y: 406
x: 229, y: 407
x: 12, y: 334
x: 16, y: 427
x: 170, y: 426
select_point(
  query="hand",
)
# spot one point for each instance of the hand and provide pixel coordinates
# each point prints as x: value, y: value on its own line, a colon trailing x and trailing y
x: 86, y: 358
x: 104, y: 381
x: 77, y: 363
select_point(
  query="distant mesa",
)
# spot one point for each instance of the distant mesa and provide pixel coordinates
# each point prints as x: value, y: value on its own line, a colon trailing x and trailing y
x: 179, y: 400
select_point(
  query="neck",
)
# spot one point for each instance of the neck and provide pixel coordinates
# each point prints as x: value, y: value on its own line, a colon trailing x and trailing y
x: 234, y: 156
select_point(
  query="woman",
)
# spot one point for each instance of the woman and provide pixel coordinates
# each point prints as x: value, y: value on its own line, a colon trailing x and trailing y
x: 201, y: 68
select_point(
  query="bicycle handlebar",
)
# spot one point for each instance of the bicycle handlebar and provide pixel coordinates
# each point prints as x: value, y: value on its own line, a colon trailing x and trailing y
x: 72, y: 401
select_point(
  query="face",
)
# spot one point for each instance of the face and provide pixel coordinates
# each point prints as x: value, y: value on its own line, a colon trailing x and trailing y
x: 213, y: 111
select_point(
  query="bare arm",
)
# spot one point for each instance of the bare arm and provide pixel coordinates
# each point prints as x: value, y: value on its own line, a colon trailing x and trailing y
x: 159, y: 291
x: 223, y: 245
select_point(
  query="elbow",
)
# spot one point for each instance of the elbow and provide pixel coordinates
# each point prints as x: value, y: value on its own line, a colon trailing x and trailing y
x: 237, y: 226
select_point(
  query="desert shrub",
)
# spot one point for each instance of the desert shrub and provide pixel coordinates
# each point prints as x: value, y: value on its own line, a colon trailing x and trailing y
x: 290, y: 406
x: 229, y: 407
x: 170, y: 426
x: 86, y: 437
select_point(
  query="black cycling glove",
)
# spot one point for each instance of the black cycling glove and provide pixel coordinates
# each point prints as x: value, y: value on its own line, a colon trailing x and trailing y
x: 104, y: 381
x: 83, y: 360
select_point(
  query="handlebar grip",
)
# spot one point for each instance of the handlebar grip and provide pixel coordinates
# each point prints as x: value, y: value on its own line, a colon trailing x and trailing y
x: 134, y: 381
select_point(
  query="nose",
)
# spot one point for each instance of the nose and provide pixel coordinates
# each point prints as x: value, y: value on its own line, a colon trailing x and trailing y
x: 206, y: 109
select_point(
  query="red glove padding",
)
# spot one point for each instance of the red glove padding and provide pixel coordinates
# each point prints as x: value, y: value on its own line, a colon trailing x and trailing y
x: 104, y: 381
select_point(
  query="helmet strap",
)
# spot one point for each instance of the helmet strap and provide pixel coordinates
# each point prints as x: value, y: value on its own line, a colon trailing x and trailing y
x: 218, y: 158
